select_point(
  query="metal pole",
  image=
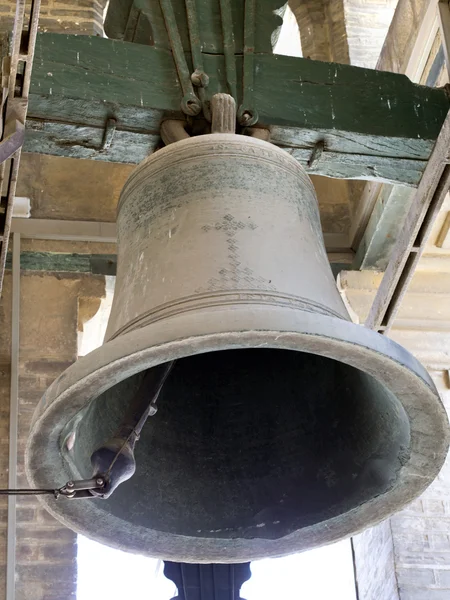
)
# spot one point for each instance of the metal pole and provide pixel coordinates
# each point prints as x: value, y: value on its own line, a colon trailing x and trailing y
x: 13, y: 421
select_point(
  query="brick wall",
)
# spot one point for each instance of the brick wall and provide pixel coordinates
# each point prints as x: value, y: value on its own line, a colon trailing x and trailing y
x: 62, y: 16
x: 46, y: 551
x: 402, y: 35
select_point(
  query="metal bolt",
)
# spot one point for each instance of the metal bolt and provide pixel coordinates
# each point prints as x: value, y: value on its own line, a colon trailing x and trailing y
x: 100, y: 482
x: 199, y: 79
x: 246, y: 118
x: 70, y: 484
x: 191, y: 105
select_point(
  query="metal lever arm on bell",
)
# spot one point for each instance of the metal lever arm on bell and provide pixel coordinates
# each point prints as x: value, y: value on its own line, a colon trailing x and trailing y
x: 114, y: 461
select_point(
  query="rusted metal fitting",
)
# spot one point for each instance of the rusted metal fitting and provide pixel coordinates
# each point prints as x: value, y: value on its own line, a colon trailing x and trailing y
x: 191, y: 105
x: 247, y: 117
x: 261, y: 133
x: 316, y: 154
x: 199, y: 79
x: 173, y: 131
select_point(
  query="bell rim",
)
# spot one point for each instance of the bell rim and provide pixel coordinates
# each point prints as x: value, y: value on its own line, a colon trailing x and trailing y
x: 306, y: 332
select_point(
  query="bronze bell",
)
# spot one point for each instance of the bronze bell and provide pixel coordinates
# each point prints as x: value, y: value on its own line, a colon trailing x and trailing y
x: 282, y: 425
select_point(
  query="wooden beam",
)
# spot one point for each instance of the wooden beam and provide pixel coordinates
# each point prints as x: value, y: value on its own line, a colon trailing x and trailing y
x: 106, y: 264
x: 388, y: 214
x: 54, y: 262
x: 74, y: 231
x: 382, y: 210
x: 443, y: 239
x: 373, y: 125
x: 410, y: 245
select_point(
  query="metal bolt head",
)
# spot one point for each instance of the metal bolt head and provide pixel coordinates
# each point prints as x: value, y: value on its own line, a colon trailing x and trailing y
x: 247, y: 117
x: 199, y: 78
x: 70, y: 484
x: 100, y: 481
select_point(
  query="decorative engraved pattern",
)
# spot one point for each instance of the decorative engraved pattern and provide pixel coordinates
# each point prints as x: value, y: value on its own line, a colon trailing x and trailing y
x: 234, y: 273
x: 223, y: 299
x: 208, y: 146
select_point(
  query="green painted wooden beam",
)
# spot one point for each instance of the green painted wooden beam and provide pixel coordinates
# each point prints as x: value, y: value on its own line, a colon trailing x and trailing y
x: 95, y: 264
x: 106, y: 264
x: 374, y: 249
x: 373, y: 125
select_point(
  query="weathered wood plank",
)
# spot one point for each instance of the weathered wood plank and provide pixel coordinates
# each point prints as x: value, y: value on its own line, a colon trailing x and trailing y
x: 349, y: 142
x: 312, y: 94
x: 56, y: 229
x: 95, y: 264
x: 381, y: 211
x: 359, y: 166
x: 106, y: 264
x: 78, y: 141
x: 388, y: 214
x: 414, y: 234
x: 359, y: 113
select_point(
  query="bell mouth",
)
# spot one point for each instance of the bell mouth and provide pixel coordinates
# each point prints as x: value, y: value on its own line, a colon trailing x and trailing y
x: 250, y: 443
x: 402, y: 455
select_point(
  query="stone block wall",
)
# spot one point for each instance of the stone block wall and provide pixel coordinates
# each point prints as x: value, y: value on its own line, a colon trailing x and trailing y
x: 367, y: 22
x: 375, y: 574
x: 402, y: 35
x: 61, y: 16
x: 322, y: 26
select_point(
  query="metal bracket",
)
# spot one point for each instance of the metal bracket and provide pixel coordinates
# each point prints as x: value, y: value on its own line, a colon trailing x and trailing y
x: 316, y: 155
x: 173, y: 130
x: 198, y: 78
x: 229, y: 48
x: 12, y: 142
x: 81, y: 488
x: 247, y: 114
x: 190, y: 104
x: 208, y: 581
x: 108, y: 135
